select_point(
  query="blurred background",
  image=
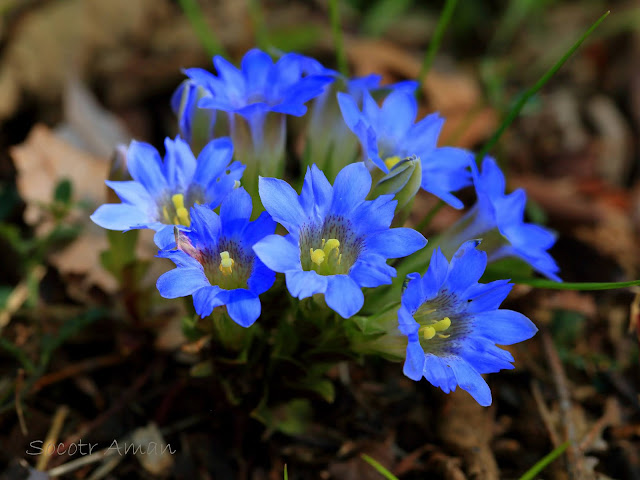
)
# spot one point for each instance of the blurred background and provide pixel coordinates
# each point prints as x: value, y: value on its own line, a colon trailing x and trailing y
x: 79, y: 77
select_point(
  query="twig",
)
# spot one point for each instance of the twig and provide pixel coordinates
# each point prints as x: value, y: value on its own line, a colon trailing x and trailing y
x: 575, y: 468
x: 545, y: 414
x: 52, y: 436
x: 609, y: 417
x: 77, y: 368
x: 19, y: 412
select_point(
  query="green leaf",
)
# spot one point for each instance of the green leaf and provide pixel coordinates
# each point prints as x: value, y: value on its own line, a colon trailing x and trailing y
x: 63, y: 191
x: 378, y: 466
x: 434, y: 44
x: 522, y: 101
x: 544, y: 461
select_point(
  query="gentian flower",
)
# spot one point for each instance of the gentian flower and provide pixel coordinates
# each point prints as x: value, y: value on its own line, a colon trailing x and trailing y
x: 331, y: 143
x: 215, y: 262
x: 453, y: 324
x: 338, y: 242
x: 161, y: 193
x: 498, y: 219
x: 195, y: 124
x: 388, y: 134
x: 257, y: 97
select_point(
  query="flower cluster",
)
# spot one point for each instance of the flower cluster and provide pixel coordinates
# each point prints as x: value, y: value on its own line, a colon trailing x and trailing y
x: 216, y: 213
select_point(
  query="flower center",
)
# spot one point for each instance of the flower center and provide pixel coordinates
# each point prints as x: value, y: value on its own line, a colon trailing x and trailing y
x: 432, y: 329
x: 327, y: 258
x: 228, y: 266
x: 175, y: 212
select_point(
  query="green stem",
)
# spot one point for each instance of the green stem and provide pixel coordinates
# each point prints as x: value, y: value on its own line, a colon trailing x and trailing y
x: 194, y: 13
x: 429, y: 216
x: 443, y: 21
x: 259, y: 26
x: 341, y: 56
x: 515, y: 111
x: 589, y: 286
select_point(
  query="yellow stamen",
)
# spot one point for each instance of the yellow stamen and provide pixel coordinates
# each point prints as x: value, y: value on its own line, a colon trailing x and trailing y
x: 182, y: 214
x: 430, y: 331
x: 236, y: 184
x: 226, y: 263
x: 427, y: 332
x: 391, y: 162
x: 330, y: 245
x: 317, y: 256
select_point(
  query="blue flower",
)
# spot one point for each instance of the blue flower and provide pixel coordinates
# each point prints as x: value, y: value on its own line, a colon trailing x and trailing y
x: 215, y: 262
x: 337, y: 241
x: 195, y: 124
x: 259, y: 86
x: 331, y: 143
x: 388, y: 134
x: 161, y: 193
x: 257, y: 97
x: 453, y: 324
x: 499, y: 220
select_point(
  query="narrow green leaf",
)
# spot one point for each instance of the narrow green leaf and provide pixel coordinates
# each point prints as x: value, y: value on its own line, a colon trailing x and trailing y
x: 197, y: 19
x: 259, y: 26
x: 378, y: 466
x: 515, y: 111
x: 341, y: 56
x: 443, y: 21
x: 544, y: 461
x: 551, y: 285
x: 286, y: 475
x: 382, y: 15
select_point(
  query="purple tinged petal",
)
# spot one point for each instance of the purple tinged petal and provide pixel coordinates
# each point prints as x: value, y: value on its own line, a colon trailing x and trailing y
x: 438, y: 373
x: 371, y: 271
x: 258, y: 229
x: 181, y: 282
x: 343, y: 295
x: 414, y: 295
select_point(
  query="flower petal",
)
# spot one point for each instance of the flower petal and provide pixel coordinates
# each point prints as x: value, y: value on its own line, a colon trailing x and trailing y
x: 278, y: 253
x: 145, y: 166
x: 206, y: 299
x: 303, y: 284
x: 243, y: 307
x: 343, y: 295
x: 396, y: 242
x: 504, y: 327
x: 281, y: 201
x: 470, y: 380
x: 120, y: 216
x: 350, y: 188
x: 181, y: 282
x: 414, y: 363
